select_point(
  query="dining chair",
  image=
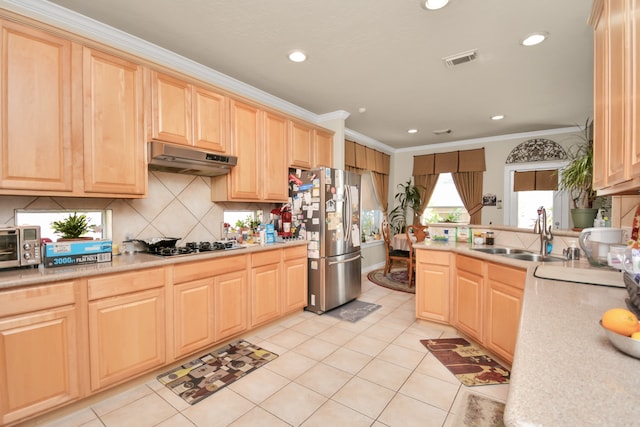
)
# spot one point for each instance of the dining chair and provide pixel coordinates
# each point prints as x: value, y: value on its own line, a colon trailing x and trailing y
x: 415, y: 234
x: 392, y: 254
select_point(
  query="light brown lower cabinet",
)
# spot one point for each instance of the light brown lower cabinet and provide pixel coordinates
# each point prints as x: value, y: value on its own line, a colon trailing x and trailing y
x: 39, y: 349
x: 505, y: 287
x: 295, y: 287
x: 126, y: 325
x: 469, y: 296
x: 484, y: 297
x: 266, y: 273
x: 201, y: 292
x: 433, y: 285
x: 64, y: 341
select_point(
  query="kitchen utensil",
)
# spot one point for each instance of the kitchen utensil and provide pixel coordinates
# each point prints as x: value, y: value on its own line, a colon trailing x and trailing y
x: 571, y: 253
x: 595, y: 243
x: 625, y: 344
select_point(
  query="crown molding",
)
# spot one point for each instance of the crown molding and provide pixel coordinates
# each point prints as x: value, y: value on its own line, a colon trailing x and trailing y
x: 61, y: 17
x: 339, y: 114
x: 483, y: 140
x: 354, y: 136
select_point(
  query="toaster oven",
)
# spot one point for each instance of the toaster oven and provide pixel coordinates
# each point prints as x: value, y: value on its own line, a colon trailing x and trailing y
x: 20, y: 246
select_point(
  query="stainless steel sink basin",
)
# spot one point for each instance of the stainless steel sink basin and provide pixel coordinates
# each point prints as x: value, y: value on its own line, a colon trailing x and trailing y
x: 533, y: 257
x: 502, y: 251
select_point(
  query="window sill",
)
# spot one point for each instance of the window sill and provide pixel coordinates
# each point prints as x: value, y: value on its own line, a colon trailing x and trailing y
x: 372, y: 243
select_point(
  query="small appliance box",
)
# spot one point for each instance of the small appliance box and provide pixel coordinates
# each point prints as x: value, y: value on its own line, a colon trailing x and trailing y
x: 69, y: 253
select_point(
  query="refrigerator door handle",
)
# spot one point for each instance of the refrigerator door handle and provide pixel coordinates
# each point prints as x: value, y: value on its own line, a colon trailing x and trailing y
x: 346, y: 225
x: 355, y: 258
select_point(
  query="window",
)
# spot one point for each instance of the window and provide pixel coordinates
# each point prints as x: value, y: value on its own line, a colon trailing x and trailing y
x: 445, y: 203
x: 521, y: 207
x: 99, y: 221
x: 371, y: 212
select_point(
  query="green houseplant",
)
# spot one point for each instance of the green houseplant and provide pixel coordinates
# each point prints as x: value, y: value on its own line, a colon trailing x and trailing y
x: 577, y: 179
x: 72, y: 227
x: 408, y: 197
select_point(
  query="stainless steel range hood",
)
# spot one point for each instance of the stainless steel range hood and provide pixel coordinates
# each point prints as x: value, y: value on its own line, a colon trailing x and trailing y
x: 185, y: 160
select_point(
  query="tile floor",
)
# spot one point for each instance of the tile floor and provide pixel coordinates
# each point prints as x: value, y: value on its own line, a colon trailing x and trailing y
x: 373, y: 372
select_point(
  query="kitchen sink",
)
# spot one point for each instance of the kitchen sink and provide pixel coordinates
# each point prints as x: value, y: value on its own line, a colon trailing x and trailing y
x: 533, y: 257
x: 502, y: 251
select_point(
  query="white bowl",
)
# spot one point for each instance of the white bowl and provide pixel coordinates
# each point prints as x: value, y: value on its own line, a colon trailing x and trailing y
x: 625, y: 344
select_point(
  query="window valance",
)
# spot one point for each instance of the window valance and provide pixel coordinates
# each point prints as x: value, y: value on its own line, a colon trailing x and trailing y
x: 453, y: 161
x: 535, y: 180
x: 365, y: 158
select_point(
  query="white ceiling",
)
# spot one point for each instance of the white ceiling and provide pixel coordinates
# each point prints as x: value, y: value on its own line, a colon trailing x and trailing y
x: 385, y: 56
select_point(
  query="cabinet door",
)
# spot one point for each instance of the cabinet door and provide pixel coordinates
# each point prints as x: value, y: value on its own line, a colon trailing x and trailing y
x: 193, y: 316
x: 433, y: 282
x: 323, y: 149
x: 210, y: 120
x: 634, y: 98
x: 504, y: 305
x: 35, y: 110
x: 265, y: 294
x: 38, y: 362
x: 616, y: 161
x: 114, y: 153
x: 300, y: 146
x: 126, y: 336
x: 230, y: 296
x: 244, y: 179
x: 171, y: 109
x: 469, y: 303
x: 295, y: 289
x: 275, y: 159
x: 600, y: 101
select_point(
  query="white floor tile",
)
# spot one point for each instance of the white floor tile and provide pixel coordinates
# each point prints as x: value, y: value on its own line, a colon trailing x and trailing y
x: 294, y: 403
x: 364, y: 396
x: 334, y: 414
x: 404, y: 411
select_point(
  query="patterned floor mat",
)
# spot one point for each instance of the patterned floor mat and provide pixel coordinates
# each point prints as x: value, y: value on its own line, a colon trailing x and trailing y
x: 470, y: 364
x: 205, y: 375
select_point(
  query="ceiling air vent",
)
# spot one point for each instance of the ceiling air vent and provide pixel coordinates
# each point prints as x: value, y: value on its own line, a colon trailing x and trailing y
x: 461, y: 58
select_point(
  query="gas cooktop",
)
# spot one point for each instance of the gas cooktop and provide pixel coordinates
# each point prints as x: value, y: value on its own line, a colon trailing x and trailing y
x: 193, y: 248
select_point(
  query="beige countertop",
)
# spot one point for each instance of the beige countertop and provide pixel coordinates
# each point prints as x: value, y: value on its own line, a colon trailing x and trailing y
x: 565, y: 371
x: 34, y: 276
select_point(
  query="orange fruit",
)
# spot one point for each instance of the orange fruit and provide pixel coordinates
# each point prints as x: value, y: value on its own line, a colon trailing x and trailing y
x: 620, y: 321
x: 635, y: 336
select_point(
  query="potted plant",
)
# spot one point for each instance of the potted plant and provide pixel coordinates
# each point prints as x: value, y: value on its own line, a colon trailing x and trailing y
x: 577, y: 179
x: 72, y: 227
x: 408, y: 197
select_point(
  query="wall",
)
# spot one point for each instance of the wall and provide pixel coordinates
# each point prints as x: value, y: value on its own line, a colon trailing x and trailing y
x: 176, y: 206
x: 373, y: 256
x: 497, y: 150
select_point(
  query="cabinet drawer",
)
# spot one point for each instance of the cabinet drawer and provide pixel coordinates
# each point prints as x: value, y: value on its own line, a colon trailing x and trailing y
x: 212, y: 267
x: 295, y: 252
x: 433, y: 257
x: 36, y: 298
x: 472, y: 265
x: 511, y: 276
x: 266, y: 258
x: 125, y: 283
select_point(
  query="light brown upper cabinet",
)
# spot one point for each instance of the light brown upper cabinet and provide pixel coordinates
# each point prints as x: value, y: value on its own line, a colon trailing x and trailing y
x: 300, y: 147
x: 616, y: 164
x: 186, y: 114
x: 72, y: 118
x: 259, y: 140
x: 114, y: 153
x: 36, y: 115
x: 323, y: 148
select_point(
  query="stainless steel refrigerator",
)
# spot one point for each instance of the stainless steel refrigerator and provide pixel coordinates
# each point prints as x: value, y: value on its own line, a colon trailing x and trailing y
x: 326, y: 210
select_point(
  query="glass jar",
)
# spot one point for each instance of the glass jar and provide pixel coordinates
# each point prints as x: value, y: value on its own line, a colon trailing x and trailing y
x: 489, y: 238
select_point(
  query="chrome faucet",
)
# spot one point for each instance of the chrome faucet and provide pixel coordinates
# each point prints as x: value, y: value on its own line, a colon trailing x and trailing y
x: 540, y: 228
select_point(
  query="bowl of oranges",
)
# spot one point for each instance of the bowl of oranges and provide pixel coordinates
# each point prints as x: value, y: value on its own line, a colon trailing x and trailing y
x: 623, y: 330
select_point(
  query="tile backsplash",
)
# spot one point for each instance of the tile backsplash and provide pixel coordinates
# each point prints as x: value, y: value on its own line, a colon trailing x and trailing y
x: 176, y: 206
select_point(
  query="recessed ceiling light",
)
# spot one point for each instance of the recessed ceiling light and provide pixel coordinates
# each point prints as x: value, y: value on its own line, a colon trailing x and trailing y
x: 297, y: 56
x: 362, y: 110
x: 497, y: 117
x: 434, y: 4
x: 412, y: 131
x: 534, y: 39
